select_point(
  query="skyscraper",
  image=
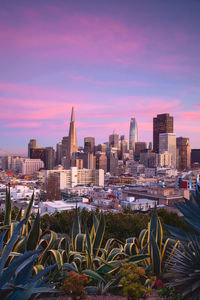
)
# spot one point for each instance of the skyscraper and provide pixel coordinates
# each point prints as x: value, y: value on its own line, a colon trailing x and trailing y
x: 72, y: 145
x: 59, y: 152
x: 133, y: 134
x: 89, y: 143
x: 163, y: 123
x: 167, y: 143
x: 183, y: 153
x: 32, y: 145
x: 114, y: 140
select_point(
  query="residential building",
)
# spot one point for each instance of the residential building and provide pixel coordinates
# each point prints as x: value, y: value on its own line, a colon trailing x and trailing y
x: 75, y: 177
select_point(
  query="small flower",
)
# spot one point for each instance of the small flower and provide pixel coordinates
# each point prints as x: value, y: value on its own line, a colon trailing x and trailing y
x: 159, y: 284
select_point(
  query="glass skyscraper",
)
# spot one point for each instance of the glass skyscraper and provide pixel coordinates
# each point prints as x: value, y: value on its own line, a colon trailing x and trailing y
x: 133, y: 134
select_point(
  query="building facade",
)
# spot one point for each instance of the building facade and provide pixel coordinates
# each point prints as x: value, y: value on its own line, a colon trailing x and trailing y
x: 29, y: 166
x: 73, y: 144
x: 133, y: 134
x: 31, y: 145
x: 163, y: 123
x: 167, y: 143
x: 183, y: 153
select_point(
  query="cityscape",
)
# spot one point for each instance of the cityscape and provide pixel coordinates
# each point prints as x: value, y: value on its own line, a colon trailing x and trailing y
x: 123, y: 171
x: 99, y: 150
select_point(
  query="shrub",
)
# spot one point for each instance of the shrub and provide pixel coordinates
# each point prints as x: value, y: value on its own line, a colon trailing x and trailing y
x: 133, y: 281
x: 74, y: 285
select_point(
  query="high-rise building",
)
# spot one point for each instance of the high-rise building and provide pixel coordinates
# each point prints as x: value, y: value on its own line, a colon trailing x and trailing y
x: 167, y: 143
x: 148, y: 158
x: 50, y: 158
x: 65, y: 145
x: 195, y: 156
x: 133, y: 134
x: 89, y: 144
x: 183, y: 153
x: 101, y: 161
x: 38, y: 153
x: 59, y: 153
x: 73, y: 145
x: 114, y: 140
x: 139, y: 146
x: 163, y: 123
x: 101, y: 148
x: 112, y: 162
x: 32, y: 145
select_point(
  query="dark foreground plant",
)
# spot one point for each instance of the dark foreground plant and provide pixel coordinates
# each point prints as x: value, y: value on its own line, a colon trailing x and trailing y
x: 184, y: 265
x: 16, y: 280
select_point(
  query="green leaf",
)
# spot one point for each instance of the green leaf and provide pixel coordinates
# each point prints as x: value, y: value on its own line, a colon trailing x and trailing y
x: 99, y: 235
x: 7, y: 218
x: 34, y: 234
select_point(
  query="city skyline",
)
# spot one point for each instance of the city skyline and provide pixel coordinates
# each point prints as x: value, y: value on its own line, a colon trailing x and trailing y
x: 110, y: 61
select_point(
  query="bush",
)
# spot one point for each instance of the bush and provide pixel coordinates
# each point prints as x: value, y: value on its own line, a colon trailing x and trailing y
x: 74, y: 285
x: 133, y: 282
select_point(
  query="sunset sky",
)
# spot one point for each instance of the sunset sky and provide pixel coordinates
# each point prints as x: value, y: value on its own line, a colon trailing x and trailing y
x: 111, y: 59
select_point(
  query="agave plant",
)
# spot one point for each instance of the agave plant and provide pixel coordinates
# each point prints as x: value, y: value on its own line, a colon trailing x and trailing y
x: 152, y: 243
x: 184, y: 265
x: 16, y: 280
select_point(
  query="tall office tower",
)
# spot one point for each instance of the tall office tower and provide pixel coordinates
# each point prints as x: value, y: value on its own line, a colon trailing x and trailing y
x: 184, y: 153
x: 65, y: 145
x: 163, y: 123
x: 167, y: 143
x: 89, y: 144
x: 195, y: 156
x: 32, y: 145
x: 38, y: 153
x: 133, y: 134
x: 50, y: 158
x: 114, y: 140
x: 101, y: 161
x: 91, y: 161
x: 59, y: 153
x: 101, y: 148
x: 73, y: 145
x: 124, y: 147
x: 112, y: 162
x: 148, y: 158
x: 139, y: 146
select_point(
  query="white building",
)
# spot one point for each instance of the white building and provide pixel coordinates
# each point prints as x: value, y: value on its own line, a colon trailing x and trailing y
x: 51, y: 207
x: 167, y: 142
x: 164, y: 159
x: 138, y: 204
x: 75, y: 177
x: 29, y: 166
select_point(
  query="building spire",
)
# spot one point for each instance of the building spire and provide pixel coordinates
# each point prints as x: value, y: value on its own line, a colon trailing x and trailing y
x: 72, y: 115
x: 72, y: 145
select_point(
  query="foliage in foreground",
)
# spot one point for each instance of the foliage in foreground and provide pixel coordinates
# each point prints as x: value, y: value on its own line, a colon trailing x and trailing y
x: 16, y: 280
x: 184, y: 266
x: 134, y: 281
